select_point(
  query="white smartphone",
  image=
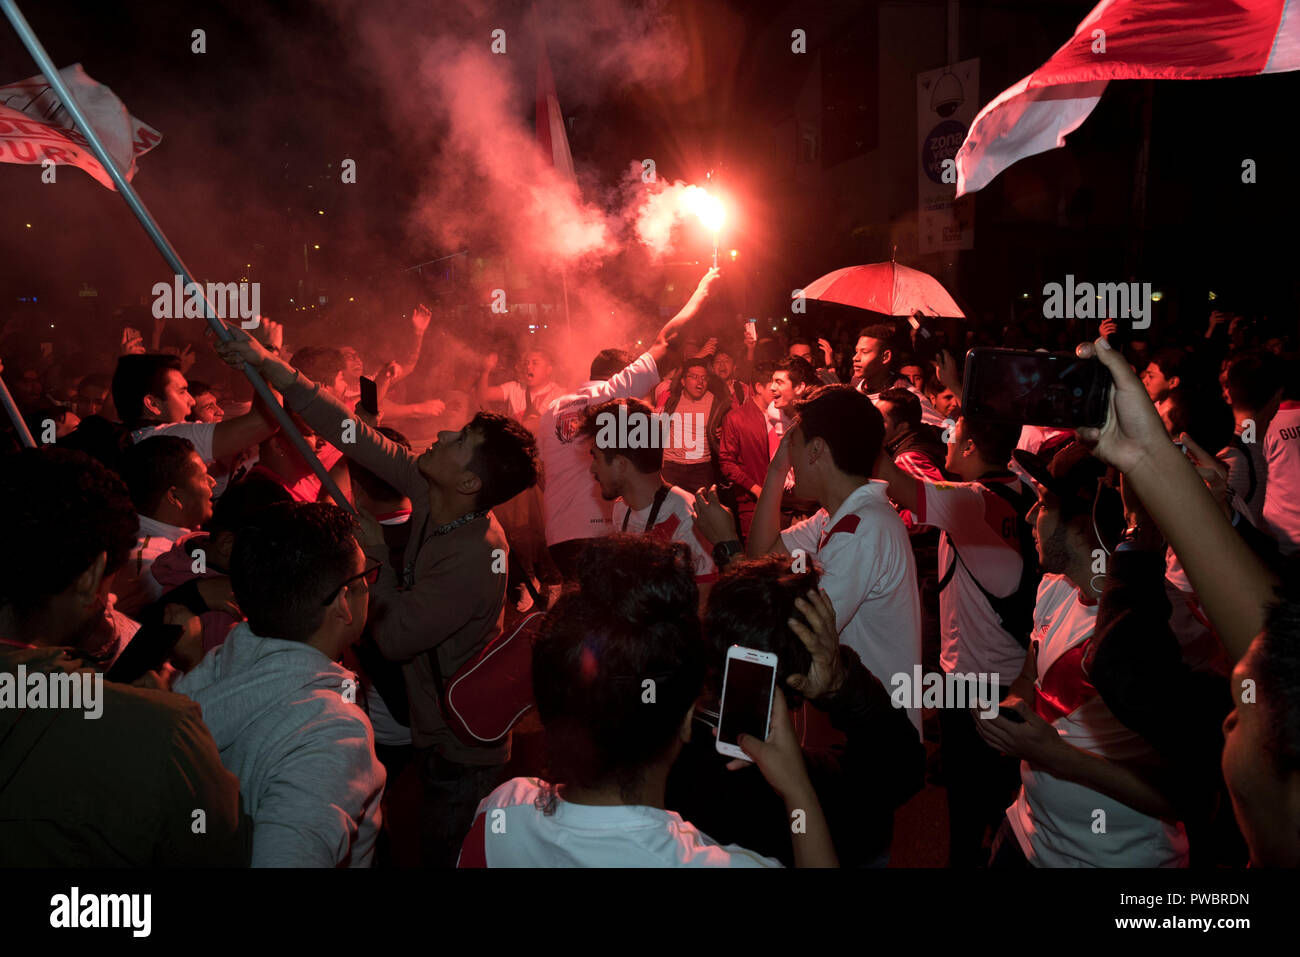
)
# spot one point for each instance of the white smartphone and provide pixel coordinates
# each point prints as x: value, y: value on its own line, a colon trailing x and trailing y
x: 747, y: 686
x: 751, y: 330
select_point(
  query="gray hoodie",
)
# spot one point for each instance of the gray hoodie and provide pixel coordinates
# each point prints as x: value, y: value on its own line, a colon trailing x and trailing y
x: 283, y: 718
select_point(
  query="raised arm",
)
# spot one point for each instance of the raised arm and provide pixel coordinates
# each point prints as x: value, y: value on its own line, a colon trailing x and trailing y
x: 489, y: 393
x: 328, y: 417
x: 233, y: 435
x: 765, y: 531
x: 670, y: 336
x: 420, y: 318
x: 904, y: 489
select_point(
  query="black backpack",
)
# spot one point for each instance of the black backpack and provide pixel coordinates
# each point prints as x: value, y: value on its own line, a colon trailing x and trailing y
x: 1015, y: 611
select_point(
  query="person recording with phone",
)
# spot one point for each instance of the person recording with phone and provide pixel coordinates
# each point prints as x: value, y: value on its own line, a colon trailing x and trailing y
x: 762, y: 604
x: 616, y: 675
x: 1255, y: 613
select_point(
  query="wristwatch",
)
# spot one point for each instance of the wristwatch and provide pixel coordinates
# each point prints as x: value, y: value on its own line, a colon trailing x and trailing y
x: 1140, y: 538
x: 724, y: 552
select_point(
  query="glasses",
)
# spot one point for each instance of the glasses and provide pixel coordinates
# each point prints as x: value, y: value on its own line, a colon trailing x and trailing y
x: 371, y: 575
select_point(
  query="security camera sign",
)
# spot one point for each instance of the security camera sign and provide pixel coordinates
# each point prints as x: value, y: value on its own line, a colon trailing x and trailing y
x: 947, y: 100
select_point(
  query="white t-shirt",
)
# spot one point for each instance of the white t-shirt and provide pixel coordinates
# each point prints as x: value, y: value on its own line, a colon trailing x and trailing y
x: 1057, y: 822
x: 984, y: 528
x: 869, y: 573
x: 510, y: 830
x: 673, y: 524
x: 688, y: 440
x: 201, y: 435
x: 571, y: 498
x: 1282, y: 495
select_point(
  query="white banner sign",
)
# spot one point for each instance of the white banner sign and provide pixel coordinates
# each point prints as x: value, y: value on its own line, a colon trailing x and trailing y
x: 947, y: 100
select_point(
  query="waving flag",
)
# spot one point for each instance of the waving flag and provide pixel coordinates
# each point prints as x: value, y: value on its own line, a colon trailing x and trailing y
x: 35, y: 125
x: 1126, y: 40
x: 550, y: 121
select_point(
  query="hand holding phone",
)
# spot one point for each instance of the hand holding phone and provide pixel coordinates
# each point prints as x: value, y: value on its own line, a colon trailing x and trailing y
x: 779, y: 758
x: 748, y: 683
x: 751, y: 330
x: 1019, y: 387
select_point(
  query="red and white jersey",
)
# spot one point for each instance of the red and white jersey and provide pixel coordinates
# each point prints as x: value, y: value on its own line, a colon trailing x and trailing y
x: 571, y: 498
x: 983, y: 526
x: 869, y: 573
x: 920, y: 465
x: 511, y: 830
x: 673, y: 524
x: 1059, y: 823
x: 1282, y: 495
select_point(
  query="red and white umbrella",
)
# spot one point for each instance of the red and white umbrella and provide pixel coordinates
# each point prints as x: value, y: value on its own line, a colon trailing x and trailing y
x: 887, y: 288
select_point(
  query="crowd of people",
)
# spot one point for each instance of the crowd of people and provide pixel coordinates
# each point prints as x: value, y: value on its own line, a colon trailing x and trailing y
x: 1109, y: 614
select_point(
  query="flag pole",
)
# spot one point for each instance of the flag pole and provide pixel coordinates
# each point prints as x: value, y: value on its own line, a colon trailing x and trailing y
x: 219, y: 328
x: 15, y: 416
x: 568, y: 324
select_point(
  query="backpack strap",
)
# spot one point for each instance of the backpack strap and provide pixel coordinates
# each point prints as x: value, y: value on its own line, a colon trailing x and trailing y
x: 1016, y: 502
x: 660, y: 497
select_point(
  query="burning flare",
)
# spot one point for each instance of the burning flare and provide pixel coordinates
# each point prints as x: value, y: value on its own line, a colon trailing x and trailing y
x: 708, y: 208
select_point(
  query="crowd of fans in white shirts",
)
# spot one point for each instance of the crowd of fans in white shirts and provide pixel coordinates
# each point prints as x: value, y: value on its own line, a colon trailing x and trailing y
x: 1126, y: 591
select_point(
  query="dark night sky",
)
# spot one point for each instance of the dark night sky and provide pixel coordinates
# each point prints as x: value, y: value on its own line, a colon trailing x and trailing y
x: 286, y: 90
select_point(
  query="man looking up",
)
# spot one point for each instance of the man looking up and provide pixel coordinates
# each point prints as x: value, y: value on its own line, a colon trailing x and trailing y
x: 447, y: 601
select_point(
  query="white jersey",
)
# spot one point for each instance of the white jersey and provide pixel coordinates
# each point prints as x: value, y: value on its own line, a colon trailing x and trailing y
x: 985, y: 529
x: 869, y: 573
x: 1282, y: 494
x: 570, y: 495
x: 673, y: 524
x: 510, y: 830
x: 1056, y: 822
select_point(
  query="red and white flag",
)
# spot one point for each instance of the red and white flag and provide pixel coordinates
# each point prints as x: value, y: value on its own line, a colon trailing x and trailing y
x: 1126, y: 40
x: 36, y: 126
x: 550, y: 121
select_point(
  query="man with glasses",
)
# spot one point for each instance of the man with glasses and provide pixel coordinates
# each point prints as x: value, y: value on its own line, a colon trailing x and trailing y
x: 282, y: 709
x: 694, y: 414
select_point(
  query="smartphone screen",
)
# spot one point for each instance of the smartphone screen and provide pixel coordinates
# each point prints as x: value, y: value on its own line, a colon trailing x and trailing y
x: 1055, y: 389
x: 746, y: 700
x: 751, y: 330
x: 369, y: 396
